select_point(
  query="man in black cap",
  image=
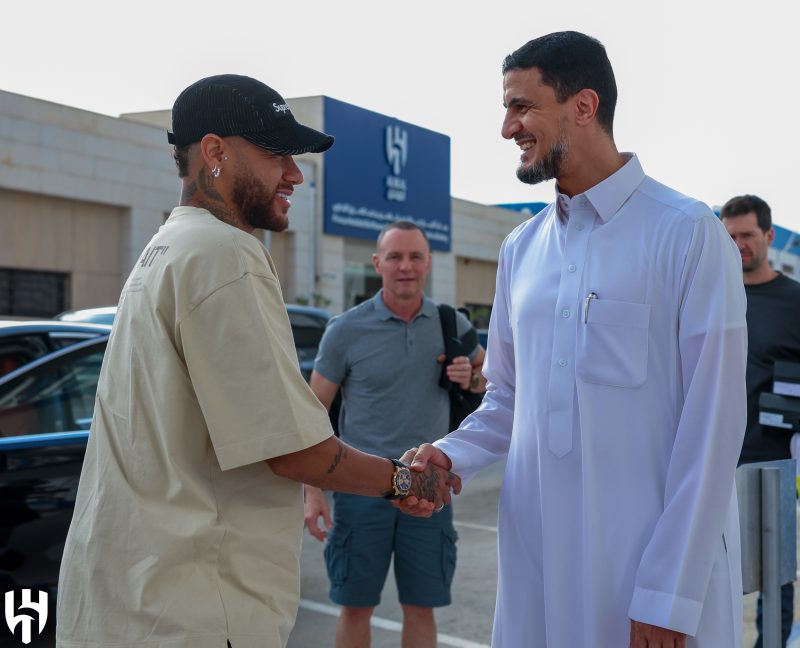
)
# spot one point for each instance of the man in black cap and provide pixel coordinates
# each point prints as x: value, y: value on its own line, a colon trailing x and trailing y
x: 189, y: 513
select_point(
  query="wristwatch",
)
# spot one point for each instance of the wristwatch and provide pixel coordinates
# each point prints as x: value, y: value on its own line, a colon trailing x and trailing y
x: 474, y: 381
x: 401, y: 481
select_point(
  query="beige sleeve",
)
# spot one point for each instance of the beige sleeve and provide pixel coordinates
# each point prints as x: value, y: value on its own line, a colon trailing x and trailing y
x: 241, y: 359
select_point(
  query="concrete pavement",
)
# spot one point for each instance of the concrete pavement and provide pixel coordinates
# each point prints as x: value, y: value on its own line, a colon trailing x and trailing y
x: 468, y: 622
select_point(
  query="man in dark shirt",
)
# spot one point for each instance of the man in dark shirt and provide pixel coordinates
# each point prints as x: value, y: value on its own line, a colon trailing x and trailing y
x: 773, y: 333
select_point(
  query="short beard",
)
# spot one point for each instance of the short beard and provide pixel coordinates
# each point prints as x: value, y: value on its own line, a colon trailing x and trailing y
x: 753, y: 264
x: 255, y: 203
x: 549, y: 167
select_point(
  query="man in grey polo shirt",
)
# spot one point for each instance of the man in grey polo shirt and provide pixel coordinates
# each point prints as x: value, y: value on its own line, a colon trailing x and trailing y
x: 386, y: 355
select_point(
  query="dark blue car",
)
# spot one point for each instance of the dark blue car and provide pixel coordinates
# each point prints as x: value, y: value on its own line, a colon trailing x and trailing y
x: 46, y: 408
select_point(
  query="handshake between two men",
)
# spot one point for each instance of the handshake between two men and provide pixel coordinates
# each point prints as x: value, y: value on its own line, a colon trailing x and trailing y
x: 422, y: 485
x: 427, y: 464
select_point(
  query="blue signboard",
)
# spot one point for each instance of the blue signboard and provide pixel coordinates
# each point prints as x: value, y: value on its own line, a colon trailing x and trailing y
x: 381, y: 170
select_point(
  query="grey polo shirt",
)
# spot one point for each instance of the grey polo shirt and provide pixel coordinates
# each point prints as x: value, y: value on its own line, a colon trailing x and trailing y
x: 389, y: 375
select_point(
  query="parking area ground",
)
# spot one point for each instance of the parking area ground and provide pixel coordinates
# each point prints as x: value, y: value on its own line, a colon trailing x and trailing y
x: 468, y: 622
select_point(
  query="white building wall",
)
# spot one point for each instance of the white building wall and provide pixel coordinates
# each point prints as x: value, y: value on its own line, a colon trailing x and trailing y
x: 331, y: 271
x: 443, y: 278
x: 64, y: 152
x: 479, y: 230
x: 302, y: 217
x: 59, y: 151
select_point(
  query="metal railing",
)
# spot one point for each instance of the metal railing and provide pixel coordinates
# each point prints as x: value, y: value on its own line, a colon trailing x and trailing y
x: 767, y: 493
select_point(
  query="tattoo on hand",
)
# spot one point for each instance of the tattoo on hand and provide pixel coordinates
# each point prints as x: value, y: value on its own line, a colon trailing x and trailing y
x: 426, y: 484
x: 341, y: 454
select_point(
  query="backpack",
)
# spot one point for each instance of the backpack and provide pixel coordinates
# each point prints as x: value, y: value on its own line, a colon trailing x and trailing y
x: 462, y: 403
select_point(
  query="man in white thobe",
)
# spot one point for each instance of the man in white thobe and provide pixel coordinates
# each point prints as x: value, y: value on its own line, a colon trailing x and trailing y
x: 616, y: 365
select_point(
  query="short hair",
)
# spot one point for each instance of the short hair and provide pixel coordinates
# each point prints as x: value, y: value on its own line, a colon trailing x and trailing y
x: 570, y: 62
x: 181, y: 156
x: 741, y: 205
x: 401, y: 225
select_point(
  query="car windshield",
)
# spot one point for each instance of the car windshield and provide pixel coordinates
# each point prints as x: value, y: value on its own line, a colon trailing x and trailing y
x: 56, y: 396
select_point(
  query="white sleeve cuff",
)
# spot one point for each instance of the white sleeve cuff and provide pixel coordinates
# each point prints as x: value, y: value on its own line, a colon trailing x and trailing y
x: 666, y: 610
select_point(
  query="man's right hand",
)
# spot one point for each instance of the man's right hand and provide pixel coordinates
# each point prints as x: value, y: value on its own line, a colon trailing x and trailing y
x: 316, y: 506
x: 644, y: 635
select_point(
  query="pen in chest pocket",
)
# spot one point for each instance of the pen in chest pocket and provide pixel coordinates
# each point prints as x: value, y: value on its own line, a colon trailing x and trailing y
x: 586, y: 303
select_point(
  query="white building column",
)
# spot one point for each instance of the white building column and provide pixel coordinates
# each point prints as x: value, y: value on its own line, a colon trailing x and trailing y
x: 443, y: 278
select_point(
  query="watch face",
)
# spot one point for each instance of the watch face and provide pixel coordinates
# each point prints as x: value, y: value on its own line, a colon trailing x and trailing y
x: 402, y: 480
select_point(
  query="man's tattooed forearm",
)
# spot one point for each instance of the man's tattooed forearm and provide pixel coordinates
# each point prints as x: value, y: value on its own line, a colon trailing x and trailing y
x: 341, y: 454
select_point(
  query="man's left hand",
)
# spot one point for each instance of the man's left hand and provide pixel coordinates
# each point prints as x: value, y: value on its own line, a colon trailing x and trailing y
x: 644, y: 635
x: 459, y: 371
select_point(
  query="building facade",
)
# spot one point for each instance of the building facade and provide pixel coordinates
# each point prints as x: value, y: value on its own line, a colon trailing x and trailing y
x: 82, y: 193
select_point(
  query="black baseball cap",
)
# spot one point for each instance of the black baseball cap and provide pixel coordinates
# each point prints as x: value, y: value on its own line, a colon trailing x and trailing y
x: 229, y: 104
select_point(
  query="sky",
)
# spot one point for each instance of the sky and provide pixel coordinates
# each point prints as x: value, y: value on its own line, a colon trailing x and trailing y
x: 707, y: 88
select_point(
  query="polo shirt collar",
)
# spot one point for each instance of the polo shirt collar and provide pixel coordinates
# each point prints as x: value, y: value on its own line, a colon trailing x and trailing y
x: 428, y: 308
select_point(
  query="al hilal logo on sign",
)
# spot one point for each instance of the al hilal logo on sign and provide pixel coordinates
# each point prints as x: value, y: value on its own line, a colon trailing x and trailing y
x: 396, y: 156
x: 27, y: 603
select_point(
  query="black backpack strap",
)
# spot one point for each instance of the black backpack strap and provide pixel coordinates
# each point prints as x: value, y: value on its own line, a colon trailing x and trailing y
x: 462, y: 403
x: 452, y: 345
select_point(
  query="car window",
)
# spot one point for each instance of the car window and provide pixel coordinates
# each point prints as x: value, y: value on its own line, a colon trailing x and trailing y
x: 59, y: 340
x: 56, y: 396
x: 18, y: 350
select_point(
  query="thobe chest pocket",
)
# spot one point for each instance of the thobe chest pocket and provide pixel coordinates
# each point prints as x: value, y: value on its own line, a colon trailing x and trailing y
x: 612, y: 343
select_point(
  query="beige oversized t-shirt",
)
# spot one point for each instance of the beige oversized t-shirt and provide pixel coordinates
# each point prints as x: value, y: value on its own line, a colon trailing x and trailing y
x: 182, y: 536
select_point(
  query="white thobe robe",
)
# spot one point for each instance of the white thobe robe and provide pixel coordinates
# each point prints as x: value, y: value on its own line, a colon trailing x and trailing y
x: 621, y: 418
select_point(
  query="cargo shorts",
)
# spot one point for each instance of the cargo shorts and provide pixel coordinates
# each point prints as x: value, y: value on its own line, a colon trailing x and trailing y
x: 368, y: 532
